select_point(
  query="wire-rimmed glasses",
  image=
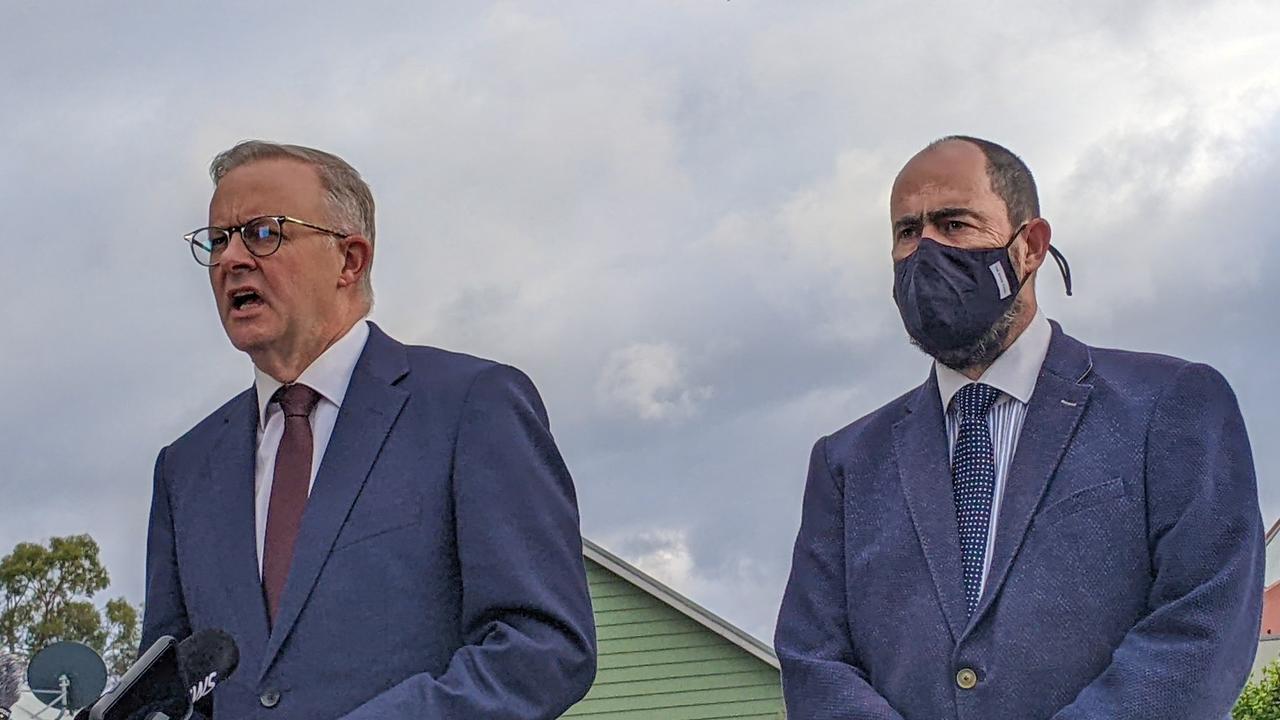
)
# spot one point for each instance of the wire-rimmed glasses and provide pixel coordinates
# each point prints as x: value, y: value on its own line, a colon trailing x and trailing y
x: 261, y: 235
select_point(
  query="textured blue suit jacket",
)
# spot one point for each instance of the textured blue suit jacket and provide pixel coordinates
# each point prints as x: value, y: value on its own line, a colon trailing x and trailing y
x: 438, y: 571
x: 1126, y: 578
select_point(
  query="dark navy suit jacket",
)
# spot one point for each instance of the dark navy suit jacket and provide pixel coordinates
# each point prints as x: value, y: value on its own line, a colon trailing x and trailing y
x: 438, y: 571
x: 1126, y: 577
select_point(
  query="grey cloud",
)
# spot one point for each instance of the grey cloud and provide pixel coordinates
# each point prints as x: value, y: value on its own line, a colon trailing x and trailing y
x: 592, y: 191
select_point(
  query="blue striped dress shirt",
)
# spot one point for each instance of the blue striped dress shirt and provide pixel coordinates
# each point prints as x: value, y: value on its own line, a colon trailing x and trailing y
x: 1014, y: 374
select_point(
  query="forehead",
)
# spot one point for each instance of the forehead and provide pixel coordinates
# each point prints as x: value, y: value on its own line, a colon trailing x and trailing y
x: 953, y: 174
x: 273, y: 186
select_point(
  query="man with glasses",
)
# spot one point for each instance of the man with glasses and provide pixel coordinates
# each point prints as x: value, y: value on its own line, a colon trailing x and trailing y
x: 387, y: 531
x: 1043, y: 529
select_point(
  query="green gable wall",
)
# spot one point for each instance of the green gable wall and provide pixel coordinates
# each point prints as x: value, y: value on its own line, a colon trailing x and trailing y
x: 656, y: 663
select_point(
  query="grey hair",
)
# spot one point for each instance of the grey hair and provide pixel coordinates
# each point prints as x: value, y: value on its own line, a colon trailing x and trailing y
x: 349, y: 197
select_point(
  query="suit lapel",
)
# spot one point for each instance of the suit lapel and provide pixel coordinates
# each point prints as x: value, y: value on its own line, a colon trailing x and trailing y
x: 920, y: 449
x: 1054, y: 412
x: 368, y: 412
x: 229, y: 505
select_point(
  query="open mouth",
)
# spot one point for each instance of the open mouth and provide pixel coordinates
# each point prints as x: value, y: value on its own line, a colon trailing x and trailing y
x: 245, y: 300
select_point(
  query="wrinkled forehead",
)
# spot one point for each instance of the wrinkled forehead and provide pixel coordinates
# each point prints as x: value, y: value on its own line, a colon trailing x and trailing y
x: 268, y: 187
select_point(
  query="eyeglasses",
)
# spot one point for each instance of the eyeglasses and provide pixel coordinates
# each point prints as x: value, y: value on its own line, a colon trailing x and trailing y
x: 261, y: 236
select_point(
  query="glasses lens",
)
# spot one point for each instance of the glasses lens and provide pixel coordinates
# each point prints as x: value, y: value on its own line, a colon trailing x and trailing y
x: 262, y: 236
x: 207, y: 245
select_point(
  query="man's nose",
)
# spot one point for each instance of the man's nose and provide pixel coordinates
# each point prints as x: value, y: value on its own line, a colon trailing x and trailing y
x: 236, y: 255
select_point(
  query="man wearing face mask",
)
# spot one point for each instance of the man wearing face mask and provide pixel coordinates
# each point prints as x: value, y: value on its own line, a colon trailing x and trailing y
x: 1043, y: 529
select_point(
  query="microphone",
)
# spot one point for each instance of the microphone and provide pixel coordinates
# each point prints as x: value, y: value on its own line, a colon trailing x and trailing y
x: 206, y: 659
x: 171, y: 680
x: 11, y: 674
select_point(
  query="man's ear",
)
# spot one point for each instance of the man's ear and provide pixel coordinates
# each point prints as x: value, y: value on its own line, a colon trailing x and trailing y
x: 357, y: 256
x: 1037, y: 235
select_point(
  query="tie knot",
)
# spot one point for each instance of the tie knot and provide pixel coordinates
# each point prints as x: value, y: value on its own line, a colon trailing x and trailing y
x: 975, y: 399
x: 296, y: 400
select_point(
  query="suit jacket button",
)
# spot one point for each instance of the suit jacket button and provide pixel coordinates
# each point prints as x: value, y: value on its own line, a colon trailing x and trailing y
x: 270, y: 698
x: 966, y: 679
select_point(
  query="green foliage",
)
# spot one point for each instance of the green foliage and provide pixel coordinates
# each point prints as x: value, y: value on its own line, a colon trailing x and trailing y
x: 46, y: 595
x: 1261, y: 699
x: 126, y: 635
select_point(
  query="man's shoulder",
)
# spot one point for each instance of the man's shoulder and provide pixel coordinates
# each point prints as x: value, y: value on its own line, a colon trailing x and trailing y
x: 419, y: 368
x: 1145, y: 376
x: 1119, y: 362
x: 203, y: 433
x: 876, y: 426
x: 448, y: 379
x: 443, y: 365
x: 454, y: 373
x: 1132, y: 381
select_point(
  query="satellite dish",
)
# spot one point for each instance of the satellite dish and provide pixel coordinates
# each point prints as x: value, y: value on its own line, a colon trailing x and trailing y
x: 67, y: 675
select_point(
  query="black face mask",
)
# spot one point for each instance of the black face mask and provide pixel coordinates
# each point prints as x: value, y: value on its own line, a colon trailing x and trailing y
x: 950, y: 297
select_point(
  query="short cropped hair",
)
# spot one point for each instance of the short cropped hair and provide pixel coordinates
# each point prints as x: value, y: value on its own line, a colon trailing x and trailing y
x: 1010, y: 178
x: 349, y: 197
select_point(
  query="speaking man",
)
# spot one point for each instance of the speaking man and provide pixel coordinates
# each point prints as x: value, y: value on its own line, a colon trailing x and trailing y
x: 388, y: 531
x: 1043, y: 529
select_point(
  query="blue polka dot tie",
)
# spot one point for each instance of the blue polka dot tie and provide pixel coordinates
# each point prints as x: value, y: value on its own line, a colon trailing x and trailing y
x: 973, y: 481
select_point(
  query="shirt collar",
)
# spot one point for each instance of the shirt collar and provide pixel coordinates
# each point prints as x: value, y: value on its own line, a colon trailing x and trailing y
x: 329, y: 374
x: 1014, y: 373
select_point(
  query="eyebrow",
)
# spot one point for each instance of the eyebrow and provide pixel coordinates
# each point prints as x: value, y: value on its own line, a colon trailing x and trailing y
x: 936, y: 216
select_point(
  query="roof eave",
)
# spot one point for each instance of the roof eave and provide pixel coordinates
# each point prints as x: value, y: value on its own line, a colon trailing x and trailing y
x: 684, y: 605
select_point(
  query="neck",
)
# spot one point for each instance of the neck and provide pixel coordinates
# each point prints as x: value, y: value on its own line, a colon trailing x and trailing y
x: 287, y: 364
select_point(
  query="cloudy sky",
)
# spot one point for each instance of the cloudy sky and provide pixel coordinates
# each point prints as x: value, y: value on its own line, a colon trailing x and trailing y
x: 672, y: 215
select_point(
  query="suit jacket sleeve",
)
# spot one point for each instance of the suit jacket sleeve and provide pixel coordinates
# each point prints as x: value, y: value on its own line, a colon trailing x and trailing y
x: 164, y: 610
x: 526, y: 615
x: 821, y: 679
x: 1189, y: 656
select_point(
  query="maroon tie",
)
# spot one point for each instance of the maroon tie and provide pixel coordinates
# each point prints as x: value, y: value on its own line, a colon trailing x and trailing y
x: 289, y: 488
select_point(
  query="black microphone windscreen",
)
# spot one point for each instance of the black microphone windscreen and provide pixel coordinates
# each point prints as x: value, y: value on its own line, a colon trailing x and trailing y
x: 207, y: 658
x: 208, y: 651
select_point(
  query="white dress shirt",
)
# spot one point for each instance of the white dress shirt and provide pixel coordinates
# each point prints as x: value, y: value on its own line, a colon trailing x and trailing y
x: 329, y: 375
x: 1014, y: 374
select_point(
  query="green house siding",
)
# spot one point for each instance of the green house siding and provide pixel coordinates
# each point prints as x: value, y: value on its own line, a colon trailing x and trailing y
x: 656, y: 663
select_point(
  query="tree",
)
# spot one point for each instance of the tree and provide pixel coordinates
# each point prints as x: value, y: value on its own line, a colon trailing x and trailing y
x: 1260, y: 699
x: 120, y: 653
x: 46, y: 595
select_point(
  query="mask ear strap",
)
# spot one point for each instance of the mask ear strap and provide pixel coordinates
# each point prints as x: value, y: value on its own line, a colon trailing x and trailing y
x: 1015, y: 235
x: 1062, y: 266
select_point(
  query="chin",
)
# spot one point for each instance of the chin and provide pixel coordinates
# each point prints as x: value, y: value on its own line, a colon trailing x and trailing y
x: 247, y: 337
x: 983, y: 351
x: 977, y: 356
